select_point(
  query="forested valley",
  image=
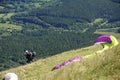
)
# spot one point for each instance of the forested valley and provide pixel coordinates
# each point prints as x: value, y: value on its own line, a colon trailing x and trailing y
x: 49, y: 27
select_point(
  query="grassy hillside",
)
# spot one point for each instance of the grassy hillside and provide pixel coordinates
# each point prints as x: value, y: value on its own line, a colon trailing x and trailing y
x: 50, y: 27
x: 104, y: 66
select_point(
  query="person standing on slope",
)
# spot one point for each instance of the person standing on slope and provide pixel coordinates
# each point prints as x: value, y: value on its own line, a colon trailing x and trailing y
x: 29, y: 56
x: 107, y: 41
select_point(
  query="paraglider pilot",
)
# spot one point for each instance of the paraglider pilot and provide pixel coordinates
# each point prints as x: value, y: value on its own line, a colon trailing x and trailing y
x: 107, y: 41
x: 29, y: 56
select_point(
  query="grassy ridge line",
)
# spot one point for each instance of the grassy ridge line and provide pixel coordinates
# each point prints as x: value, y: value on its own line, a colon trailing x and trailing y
x: 100, y: 67
x: 36, y: 70
x: 104, y: 66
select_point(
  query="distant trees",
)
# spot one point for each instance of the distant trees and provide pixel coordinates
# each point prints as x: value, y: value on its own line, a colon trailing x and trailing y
x: 118, y: 30
x: 117, y: 1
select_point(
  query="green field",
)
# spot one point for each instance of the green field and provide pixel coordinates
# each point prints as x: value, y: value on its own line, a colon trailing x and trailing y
x: 6, y: 29
x: 9, y: 26
x: 1, y: 7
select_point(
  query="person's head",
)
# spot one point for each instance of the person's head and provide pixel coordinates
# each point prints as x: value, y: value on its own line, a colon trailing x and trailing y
x: 10, y: 76
x: 26, y: 51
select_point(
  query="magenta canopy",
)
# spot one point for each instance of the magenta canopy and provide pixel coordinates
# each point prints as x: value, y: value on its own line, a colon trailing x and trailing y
x: 103, y: 39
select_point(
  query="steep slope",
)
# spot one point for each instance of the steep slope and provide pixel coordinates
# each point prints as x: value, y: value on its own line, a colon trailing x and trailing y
x: 104, y: 66
x: 50, y: 27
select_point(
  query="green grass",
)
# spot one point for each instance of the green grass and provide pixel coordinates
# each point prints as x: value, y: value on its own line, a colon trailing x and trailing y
x: 7, y: 28
x: 104, y: 66
x: 1, y: 7
x: 1, y: 15
x: 6, y: 16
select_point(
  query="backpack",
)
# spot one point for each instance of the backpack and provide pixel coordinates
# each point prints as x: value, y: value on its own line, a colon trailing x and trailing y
x: 33, y: 54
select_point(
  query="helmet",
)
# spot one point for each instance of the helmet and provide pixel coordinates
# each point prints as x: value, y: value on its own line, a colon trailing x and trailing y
x: 10, y: 76
x: 26, y: 51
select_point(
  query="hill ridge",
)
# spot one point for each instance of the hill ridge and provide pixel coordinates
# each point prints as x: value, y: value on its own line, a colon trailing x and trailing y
x: 41, y: 69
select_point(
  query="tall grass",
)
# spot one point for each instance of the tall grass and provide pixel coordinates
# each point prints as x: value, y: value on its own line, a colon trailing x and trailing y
x: 104, y: 66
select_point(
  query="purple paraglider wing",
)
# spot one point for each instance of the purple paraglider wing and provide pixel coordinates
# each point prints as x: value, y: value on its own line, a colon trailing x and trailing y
x: 77, y: 58
x: 103, y: 39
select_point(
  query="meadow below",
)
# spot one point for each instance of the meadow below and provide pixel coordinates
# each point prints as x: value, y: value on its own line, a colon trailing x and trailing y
x: 103, y: 66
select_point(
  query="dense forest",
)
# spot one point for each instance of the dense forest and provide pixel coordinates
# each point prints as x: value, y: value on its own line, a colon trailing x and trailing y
x: 49, y: 27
